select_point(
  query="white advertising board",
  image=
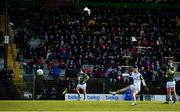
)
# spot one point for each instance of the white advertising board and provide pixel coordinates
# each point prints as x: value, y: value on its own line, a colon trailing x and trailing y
x: 95, y: 97
x: 109, y: 97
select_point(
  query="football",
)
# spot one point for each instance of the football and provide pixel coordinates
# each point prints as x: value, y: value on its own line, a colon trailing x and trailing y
x: 40, y: 72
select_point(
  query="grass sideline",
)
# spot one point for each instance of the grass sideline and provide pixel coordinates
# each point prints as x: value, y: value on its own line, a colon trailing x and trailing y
x: 88, y: 106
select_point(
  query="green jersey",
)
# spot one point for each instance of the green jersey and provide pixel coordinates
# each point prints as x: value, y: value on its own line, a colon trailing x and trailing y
x: 82, y: 77
x: 170, y: 74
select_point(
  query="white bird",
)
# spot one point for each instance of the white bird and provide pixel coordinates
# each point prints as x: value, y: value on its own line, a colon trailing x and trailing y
x: 87, y: 10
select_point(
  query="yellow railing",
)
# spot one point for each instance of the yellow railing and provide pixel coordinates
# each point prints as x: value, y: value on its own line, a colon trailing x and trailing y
x: 15, y: 64
x: 11, y: 56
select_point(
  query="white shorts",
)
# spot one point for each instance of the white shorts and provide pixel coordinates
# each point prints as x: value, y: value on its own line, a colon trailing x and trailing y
x: 135, y: 88
x: 170, y: 84
x: 81, y: 86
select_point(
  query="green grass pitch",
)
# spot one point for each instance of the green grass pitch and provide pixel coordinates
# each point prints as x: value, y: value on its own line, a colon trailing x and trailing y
x: 57, y: 105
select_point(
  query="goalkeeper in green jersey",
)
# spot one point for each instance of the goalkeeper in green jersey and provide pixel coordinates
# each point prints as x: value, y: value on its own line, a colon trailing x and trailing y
x: 82, y: 79
x: 171, y: 84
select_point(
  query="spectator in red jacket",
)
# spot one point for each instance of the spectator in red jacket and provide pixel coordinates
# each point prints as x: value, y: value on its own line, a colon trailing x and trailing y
x: 101, y: 73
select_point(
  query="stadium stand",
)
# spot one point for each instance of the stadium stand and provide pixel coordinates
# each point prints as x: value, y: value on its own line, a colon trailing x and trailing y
x: 107, y: 40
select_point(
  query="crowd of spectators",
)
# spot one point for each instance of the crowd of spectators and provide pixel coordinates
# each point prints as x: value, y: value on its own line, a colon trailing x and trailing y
x: 108, y: 39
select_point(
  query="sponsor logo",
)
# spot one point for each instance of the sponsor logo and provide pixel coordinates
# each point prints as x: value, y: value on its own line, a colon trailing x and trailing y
x: 93, y: 97
x: 112, y: 98
x: 72, y: 97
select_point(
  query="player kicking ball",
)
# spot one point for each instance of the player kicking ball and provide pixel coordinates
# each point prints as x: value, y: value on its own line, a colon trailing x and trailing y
x: 82, y: 79
x: 135, y: 87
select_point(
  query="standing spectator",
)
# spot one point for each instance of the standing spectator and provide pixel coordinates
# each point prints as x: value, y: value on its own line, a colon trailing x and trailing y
x: 143, y: 72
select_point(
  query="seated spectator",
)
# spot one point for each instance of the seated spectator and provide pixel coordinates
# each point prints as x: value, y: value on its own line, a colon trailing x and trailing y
x: 40, y: 61
x: 49, y: 55
x: 29, y: 67
x: 112, y: 75
x: 101, y: 73
x: 20, y: 56
x: 95, y: 71
x: 75, y: 71
x: 62, y: 64
x: 69, y: 71
x: 56, y: 71
x: 87, y: 70
x: 50, y: 64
